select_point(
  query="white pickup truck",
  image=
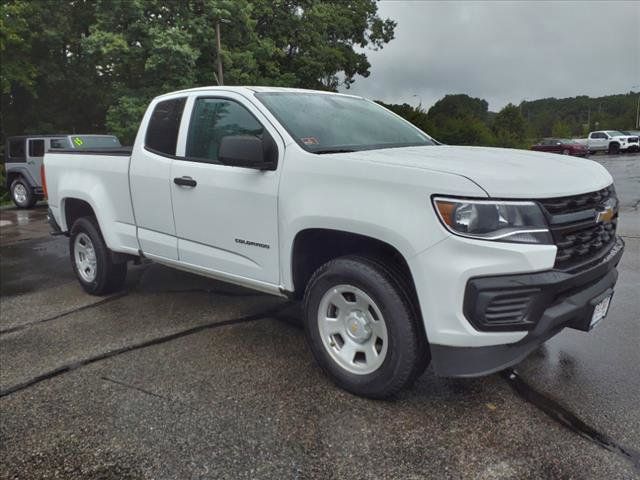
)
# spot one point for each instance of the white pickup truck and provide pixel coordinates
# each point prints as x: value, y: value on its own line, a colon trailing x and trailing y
x: 403, y: 250
x: 611, y: 141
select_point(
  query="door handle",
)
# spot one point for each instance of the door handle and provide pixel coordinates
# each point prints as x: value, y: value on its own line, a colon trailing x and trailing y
x: 185, y: 181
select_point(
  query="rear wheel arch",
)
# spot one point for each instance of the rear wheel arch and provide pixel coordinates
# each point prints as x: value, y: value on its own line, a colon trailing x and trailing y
x: 98, y: 272
x: 75, y: 208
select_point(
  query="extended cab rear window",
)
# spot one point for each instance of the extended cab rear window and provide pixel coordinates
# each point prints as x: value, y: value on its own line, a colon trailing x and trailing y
x: 162, y: 131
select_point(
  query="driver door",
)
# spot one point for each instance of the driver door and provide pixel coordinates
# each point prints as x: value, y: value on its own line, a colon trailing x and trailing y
x: 226, y: 217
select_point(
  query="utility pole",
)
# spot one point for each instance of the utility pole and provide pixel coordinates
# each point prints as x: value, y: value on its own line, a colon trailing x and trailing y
x: 220, y: 77
x: 637, y: 107
x: 219, y: 58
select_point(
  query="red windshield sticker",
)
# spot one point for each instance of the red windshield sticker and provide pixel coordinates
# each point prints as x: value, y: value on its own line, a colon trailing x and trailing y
x: 310, y: 141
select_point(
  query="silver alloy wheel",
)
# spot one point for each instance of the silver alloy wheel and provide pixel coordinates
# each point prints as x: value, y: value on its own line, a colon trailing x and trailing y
x: 20, y: 193
x: 85, y: 257
x: 352, y: 329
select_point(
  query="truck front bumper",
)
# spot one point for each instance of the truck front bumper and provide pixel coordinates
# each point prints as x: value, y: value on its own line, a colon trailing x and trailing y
x: 551, y: 300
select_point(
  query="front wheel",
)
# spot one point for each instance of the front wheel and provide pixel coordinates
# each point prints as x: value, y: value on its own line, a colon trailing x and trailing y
x: 21, y: 194
x: 566, y: 151
x: 362, y: 328
x: 614, y: 148
x: 92, y: 261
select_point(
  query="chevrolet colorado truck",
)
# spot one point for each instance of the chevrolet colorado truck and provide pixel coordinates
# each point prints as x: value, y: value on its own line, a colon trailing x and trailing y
x: 404, y: 251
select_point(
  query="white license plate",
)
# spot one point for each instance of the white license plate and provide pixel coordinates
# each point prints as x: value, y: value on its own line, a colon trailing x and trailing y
x: 600, y: 311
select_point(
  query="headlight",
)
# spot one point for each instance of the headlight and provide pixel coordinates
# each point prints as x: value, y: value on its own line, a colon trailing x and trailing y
x: 502, y: 221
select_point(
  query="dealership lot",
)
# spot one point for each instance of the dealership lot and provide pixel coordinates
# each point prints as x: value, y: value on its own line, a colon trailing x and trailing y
x: 183, y: 377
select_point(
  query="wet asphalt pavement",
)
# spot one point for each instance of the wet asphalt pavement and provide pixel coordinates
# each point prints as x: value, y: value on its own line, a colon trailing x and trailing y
x: 183, y: 377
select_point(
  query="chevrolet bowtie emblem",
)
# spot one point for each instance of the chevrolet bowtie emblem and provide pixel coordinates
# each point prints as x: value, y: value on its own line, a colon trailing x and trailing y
x: 605, y: 215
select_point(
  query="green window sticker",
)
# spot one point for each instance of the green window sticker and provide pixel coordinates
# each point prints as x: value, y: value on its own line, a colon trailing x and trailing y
x: 78, y: 141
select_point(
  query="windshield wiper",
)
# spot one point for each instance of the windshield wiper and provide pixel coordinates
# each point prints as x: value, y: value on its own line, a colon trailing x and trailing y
x: 334, y: 150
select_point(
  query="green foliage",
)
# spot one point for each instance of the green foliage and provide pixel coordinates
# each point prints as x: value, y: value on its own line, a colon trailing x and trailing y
x: 577, y: 116
x: 462, y: 120
x: 92, y: 66
x: 561, y: 129
x: 509, y: 127
x: 4, y: 193
x: 460, y: 106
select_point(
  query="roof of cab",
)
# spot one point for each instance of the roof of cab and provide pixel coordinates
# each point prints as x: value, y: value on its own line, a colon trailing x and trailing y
x: 255, y: 89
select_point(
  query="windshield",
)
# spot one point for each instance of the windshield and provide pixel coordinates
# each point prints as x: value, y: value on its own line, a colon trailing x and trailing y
x: 83, y: 142
x: 326, y: 123
x: 614, y: 133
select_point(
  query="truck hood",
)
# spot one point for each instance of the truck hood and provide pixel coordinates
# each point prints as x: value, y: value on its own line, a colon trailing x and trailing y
x: 501, y: 172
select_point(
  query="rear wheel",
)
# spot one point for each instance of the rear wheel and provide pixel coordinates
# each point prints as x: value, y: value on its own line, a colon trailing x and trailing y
x: 566, y: 151
x: 362, y: 329
x: 22, y: 194
x: 92, y: 261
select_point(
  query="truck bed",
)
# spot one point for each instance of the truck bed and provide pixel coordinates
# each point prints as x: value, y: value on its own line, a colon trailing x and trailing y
x: 106, y: 170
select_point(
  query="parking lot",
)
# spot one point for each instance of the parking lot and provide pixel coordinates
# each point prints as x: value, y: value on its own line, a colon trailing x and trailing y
x: 184, y: 377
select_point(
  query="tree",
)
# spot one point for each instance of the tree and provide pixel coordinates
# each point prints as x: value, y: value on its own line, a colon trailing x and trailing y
x: 561, y: 130
x: 509, y: 127
x: 460, y: 120
x: 93, y: 65
x: 460, y: 106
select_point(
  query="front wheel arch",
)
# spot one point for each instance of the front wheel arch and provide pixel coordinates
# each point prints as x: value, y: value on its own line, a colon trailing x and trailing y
x: 407, y: 351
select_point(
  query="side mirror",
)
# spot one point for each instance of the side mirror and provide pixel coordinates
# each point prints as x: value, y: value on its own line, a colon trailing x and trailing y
x: 242, y: 151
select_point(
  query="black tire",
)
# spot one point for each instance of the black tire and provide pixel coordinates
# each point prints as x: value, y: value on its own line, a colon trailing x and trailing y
x: 614, y: 148
x: 566, y: 151
x: 109, y: 275
x: 20, y: 185
x: 407, y: 352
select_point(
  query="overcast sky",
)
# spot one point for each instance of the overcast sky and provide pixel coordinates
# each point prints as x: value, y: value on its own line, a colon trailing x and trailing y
x: 505, y: 51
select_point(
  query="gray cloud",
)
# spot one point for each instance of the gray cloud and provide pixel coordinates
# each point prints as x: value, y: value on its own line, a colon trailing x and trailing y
x: 505, y: 51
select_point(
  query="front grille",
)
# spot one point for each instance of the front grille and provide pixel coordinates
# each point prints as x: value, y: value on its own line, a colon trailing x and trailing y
x: 632, y: 140
x: 576, y: 203
x: 580, y: 239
